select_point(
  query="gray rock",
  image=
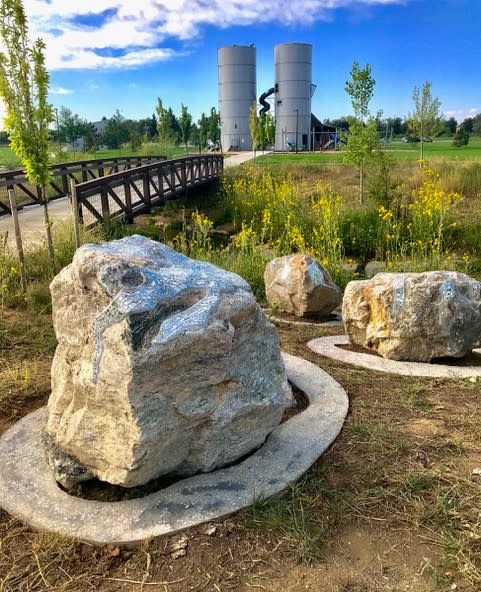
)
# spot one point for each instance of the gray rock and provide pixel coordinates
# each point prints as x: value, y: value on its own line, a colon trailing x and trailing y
x: 299, y: 285
x: 353, y: 268
x: 414, y: 316
x: 164, y: 365
x: 374, y: 267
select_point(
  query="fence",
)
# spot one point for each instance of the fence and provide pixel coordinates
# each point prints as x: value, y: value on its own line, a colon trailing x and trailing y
x: 61, y: 174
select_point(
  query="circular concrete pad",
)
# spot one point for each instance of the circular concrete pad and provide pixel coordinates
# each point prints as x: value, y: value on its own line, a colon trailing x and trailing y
x: 334, y: 320
x: 29, y: 491
x: 329, y: 347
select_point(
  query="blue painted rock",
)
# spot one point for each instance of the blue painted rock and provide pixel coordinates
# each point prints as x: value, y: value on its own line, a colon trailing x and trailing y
x: 164, y: 366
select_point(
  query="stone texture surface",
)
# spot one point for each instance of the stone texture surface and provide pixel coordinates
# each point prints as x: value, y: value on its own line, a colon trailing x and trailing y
x: 28, y: 489
x: 299, y: 285
x: 414, y: 316
x: 164, y: 365
x: 374, y: 267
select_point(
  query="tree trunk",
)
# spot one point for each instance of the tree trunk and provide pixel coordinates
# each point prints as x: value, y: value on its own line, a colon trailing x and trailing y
x: 48, y: 228
x: 18, y: 239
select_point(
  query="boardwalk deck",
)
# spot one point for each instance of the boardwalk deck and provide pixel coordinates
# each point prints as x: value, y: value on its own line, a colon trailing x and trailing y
x: 125, y: 193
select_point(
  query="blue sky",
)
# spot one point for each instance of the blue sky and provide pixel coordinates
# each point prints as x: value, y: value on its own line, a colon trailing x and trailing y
x: 122, y: 54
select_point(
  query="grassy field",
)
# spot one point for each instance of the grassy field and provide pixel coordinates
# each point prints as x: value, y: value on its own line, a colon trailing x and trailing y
x: 439, y: 149
x: 392, y: 506
x: 8, y: 160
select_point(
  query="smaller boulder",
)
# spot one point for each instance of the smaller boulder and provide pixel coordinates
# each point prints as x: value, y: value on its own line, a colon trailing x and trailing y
x: 374, y: 267
x: 414, y: 316
x: 299, y: 285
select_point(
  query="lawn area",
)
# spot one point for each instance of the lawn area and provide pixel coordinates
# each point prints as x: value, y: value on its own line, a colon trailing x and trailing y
x: 8, y: 160
x: 439, y: 149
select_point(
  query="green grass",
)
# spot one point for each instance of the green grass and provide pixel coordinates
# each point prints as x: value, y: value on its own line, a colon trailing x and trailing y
x: 438, y: 149
x: 8, y: 160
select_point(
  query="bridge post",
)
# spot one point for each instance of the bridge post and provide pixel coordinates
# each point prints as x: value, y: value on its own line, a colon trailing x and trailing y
x: 104, y: 201
x: 128, y: 200
x: 183, y: 175
x: 75, y: 212
x: 146, y: 188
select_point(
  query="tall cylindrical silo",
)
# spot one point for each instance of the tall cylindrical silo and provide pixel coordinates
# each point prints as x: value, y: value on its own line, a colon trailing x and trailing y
x: 237, y: 92
x: 293, y: 95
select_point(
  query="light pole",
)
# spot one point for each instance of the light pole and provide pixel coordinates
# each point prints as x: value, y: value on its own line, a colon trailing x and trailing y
x: 297, y: 126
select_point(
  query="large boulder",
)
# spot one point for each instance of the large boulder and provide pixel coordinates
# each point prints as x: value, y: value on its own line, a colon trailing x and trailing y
x: 164, y: 365
x: 414, y: 316
x: 301, y: 286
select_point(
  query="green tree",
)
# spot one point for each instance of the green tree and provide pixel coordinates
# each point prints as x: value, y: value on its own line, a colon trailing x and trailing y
x: 254, y: 126
x: 476, y: 127
x: 134, y: 130
x: 468, y: 124
x: 185, y: 124
x: 70, y: 126
x: 269, y: 128
x: 91, y: 138
x: 194, y: 135
x: 203, y: 124
x: 426, y: 119
x: 363, y: 139
x: 451, y: 125
x: 24, y: 84
x: 360, y: 88
x: 362, y: 146
x: 214, y: 125
x: 461, y: 138
x: 116, y: 131
x: 164, y: 123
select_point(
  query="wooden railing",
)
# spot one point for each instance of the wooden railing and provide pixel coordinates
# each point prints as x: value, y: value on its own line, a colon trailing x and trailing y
x: 128, y: 193
x: 81, y: 170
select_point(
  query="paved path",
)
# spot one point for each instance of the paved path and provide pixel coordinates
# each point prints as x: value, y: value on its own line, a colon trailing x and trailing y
x: 31, y: 218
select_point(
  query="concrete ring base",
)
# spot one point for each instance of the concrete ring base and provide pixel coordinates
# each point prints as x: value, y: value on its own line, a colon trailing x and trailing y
x: 29, y: 491
x: 329, y: 347
x: 334, y: 321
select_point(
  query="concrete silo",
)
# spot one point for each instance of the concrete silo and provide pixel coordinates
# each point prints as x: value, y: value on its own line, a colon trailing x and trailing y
x: 237, y: 92
x: 293, y: 91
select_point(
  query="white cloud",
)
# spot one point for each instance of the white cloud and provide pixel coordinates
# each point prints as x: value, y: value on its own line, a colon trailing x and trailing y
x: 59, y: 90
x: 462, y: 114
x: 139, y: 30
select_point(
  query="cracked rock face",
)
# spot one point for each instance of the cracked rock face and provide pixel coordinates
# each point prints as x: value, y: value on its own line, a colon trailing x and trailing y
x: 299, y: 285
x: 414, y: 316
x: 164, y: 365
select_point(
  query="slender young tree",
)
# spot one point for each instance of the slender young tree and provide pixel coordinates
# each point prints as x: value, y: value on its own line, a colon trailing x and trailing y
x: 269, y: 128
x: 360, y: 88
x: 185, y: 124
x: 24, y: 84
x: 254, y: 126
x: 164, y: 123
x: 214, y: 125
x: 203, y: 124
x: 426, y: 119
x: 362, y: 140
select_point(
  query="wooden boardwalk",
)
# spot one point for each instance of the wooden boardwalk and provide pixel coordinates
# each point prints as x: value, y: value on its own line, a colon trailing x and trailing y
x: 135, y: 191
x: 126, y: 193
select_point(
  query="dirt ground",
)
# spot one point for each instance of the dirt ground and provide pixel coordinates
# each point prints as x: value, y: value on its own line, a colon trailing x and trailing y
x: 392, y: 506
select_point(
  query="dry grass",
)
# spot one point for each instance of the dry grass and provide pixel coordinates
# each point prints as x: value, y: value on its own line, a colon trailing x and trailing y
x: 393, y: 503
